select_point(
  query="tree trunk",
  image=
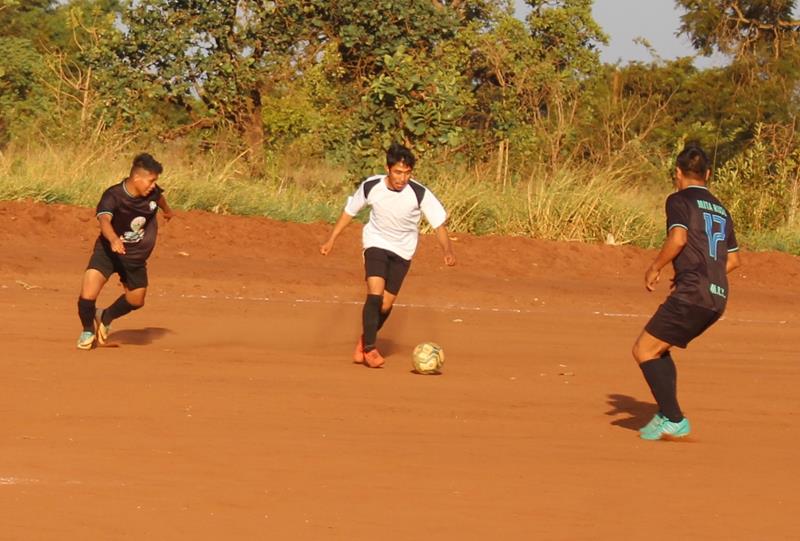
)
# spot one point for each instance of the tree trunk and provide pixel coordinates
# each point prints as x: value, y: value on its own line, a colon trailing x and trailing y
x: 793, y: 199
x: 254, y: 133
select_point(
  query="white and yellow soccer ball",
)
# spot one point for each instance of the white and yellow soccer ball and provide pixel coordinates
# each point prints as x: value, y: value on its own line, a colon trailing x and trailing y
x: 428, y: 358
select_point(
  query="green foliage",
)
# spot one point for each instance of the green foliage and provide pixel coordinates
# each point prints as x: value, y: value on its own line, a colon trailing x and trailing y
x: 522, y: 111
x: 594, y: 205
x: 567, y: 34
x: 367, y: 31
x: 760, y: 185
x: 288, y: 117
x: 740, y: 27
x: 784, y: 239
x: 30, y: 19
x: 403, y: 72
x: 530, y: 78
x: 23, y: 100
x: 418, y: 100
x: 558, y: 206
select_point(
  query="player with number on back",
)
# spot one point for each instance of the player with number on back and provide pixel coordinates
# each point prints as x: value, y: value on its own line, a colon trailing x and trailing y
x: 701, y: 245
x: 390, y: 239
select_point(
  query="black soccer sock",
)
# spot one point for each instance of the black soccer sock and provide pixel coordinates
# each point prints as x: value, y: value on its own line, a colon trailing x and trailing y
x: 383, y: 317
x: 370, y: 318
x: 86, y: 310
x: 660, y: 376
x: 672, y: 371
x: 119, y: 308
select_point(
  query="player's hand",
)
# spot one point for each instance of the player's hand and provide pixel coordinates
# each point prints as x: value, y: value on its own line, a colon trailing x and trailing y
x: 651, y: 278
x: 326, y: 248
x: 117, y: 246
x: 449, y: 259
x: 168, y: 215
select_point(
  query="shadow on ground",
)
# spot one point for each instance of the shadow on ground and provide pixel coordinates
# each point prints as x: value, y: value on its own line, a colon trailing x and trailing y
x: 638, y: 413
x: 139, y: 337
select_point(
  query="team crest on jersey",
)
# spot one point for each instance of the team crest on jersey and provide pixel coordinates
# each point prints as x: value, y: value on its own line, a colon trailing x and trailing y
x: 153, y: 205
x: 136, y: 233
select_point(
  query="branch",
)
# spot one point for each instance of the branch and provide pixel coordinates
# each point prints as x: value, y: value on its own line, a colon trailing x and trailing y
x: 179, y: 131
x: 740, y: 18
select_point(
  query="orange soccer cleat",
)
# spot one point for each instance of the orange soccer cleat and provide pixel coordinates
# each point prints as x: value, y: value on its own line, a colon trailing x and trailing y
x: 358, y: 354
x: 373, y: 358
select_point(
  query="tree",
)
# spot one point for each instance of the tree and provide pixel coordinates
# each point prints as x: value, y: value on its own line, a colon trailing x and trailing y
x: 740, y: 27
x: 530, y: 77
x: 23, y: 25
x: 22, y: 99
x: 760, y: 84
x: 399, y: 67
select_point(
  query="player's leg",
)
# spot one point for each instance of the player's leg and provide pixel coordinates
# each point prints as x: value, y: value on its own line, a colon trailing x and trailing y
x: 386, y: 307
x: 375, y: 271
x: 131, y: 300
x: 370, y: 319
x: 670, y: 326
x: 652, y: 355
x: 134, y: 281
x: 99, y: 268
x: 396, y: 273
x: 91, y: 285
x: 658, y: 368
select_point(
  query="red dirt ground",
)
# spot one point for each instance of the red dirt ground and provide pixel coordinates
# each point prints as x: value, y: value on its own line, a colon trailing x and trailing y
x: 230, y: 409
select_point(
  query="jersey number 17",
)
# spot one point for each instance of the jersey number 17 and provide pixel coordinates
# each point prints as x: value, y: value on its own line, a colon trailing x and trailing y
x: 714, y: 238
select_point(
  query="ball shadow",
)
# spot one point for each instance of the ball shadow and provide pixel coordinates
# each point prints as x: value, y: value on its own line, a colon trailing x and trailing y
x: 415, y: 373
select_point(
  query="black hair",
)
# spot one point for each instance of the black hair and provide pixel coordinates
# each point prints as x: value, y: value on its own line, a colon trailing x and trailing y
x: 397, y: 153
x: 148, y: 163
x: 693, y: 162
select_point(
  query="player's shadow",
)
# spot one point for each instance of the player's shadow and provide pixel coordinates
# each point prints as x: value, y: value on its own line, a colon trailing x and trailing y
x: 139, y: 337
x: 387, y: 347
x: 638, y: 413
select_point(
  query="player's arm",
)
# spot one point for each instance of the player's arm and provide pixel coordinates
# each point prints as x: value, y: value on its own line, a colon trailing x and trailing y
x: 344, y: 221
x: 734, y: 261
x: 354, y: 205
x: 107, y: 230
x: 676, y: 240
x: 165, y: 208
x: 444, y: 241
x: 435, y: 213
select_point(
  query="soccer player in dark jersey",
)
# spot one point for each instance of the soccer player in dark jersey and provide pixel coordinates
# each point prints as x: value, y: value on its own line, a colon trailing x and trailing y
x: 701, y: 244
x: 128, y: 229
x: 390, y: 239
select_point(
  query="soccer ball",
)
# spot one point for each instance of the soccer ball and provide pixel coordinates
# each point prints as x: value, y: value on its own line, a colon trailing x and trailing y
x: 428, y: 358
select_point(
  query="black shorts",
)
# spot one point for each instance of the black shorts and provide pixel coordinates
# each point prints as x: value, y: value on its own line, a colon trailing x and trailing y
x: 131, y: 273
x: 678, y: 323
x: 388, y: 265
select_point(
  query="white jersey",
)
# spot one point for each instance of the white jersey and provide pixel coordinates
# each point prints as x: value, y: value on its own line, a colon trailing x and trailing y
x: 394, y: 220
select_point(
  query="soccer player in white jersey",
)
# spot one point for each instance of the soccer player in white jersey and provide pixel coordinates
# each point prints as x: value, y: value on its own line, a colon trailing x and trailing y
x: 389, y: 239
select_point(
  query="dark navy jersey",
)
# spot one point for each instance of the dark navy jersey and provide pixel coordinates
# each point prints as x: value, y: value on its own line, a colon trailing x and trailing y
x: 133, y: 219
x: 700, y: 275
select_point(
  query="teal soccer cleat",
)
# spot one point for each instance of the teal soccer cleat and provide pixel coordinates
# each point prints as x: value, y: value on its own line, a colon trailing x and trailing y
x: 654, y: 422
x: 86, y: 340
x: 667, y: 428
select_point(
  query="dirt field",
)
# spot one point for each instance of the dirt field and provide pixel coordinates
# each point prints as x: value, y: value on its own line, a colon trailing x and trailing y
x: 229, y: 408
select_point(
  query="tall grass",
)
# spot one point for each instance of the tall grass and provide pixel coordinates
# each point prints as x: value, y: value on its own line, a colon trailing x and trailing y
x: 579, y: 203
x: 212, y: 182
x: 573, y: 204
